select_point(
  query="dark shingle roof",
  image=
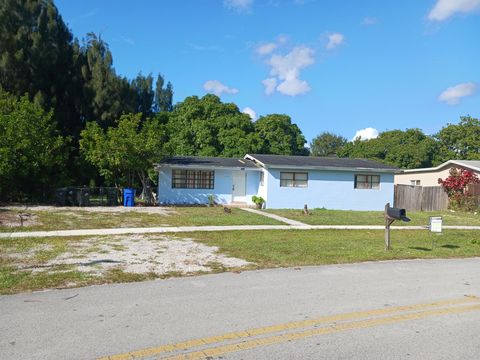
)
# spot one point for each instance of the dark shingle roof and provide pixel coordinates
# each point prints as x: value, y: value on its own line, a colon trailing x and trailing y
x: 208, y: 161
x: 320, y: 162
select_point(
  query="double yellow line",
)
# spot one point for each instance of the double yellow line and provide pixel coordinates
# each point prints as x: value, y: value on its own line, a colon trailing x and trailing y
x: 253, y: 338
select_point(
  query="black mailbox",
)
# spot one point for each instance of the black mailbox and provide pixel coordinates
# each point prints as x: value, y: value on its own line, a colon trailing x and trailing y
x: 397, y: 214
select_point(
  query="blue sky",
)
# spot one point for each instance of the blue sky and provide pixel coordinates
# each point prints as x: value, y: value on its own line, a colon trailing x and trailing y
x: 338, y: 66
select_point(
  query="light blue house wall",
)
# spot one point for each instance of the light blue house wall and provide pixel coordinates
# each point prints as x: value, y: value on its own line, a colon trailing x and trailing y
x: 253, y: 184
x: 222, y: 188
x: 330, y: 189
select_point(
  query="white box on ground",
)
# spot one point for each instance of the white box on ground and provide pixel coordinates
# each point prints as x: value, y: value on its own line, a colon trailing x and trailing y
x: 436, y: 224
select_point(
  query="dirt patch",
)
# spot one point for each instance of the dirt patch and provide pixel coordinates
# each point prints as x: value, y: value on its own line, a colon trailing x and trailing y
x: 98, y: 209
x: 12, y: 218
x: 139, y: 254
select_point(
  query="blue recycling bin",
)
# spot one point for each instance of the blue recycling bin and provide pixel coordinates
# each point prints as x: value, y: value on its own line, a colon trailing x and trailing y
x: 128, y: 197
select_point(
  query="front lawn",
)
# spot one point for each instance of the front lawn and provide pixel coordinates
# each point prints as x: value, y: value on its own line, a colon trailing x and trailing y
x: 317, y: 247
x: 345, y: 217
x: 37, y: 263
x: 52, y: 218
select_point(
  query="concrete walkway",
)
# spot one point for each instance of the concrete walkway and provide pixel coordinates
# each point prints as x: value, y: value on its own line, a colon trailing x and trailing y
x: 276, y: 217
x: 186, y: 229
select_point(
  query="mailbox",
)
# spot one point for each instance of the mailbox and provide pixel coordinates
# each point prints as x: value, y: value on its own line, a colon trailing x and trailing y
x: 397, y: 214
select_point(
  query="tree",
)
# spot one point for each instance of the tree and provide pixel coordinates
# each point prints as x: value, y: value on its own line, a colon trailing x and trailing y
x: 461, y: 141
x: 327, y: 144
x: 107, y: 95
x: 279, y: 136
x: 163, y: 96
x: 144, y: 95
x: 407, y: 149
x: 32, y: 152
x: 126, y: 152
x: 207, y: 127
x: 38, y: 58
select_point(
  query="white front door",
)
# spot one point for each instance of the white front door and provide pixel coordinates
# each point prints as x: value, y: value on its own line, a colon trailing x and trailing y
x: 239, y: 186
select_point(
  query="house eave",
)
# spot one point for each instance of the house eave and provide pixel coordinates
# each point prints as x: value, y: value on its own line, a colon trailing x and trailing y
x: 158, y: 167
x: 334, y: 168
x: 439, y: 167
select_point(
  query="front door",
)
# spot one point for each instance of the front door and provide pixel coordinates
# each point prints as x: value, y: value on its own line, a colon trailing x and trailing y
x: 238, y: 187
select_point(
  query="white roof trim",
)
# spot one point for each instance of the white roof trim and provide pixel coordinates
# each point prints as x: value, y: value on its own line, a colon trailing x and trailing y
x: 446, y: 163
x: 250, y: 157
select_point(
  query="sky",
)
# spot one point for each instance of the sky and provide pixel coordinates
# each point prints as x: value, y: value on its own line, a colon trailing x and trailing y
x: 351, y: 67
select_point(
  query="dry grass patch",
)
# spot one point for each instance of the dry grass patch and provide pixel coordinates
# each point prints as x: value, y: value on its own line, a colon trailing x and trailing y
x: 33, y: 263
x: 52, y: 218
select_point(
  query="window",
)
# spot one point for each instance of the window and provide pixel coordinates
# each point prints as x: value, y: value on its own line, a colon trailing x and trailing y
x: 415, y: 182
x: 367, y: 181
x: 293, y: 179
x: 193, y: 179
x: 262, y: 177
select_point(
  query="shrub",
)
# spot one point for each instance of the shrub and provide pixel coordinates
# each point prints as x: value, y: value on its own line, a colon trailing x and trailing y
x: 456, y: 188
x: 258, y: 200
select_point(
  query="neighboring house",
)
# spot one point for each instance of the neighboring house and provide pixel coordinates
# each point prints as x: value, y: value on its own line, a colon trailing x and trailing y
x: 430, y: 176
x: 283, y: 181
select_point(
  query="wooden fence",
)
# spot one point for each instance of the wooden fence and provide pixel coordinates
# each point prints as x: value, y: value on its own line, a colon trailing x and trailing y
x: 421, y: 198
x: 474, y: 190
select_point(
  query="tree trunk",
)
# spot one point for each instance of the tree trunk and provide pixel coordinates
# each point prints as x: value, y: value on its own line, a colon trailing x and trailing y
x: 147, y: 193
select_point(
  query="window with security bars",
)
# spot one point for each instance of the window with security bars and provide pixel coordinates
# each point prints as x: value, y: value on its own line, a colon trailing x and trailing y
x: 367, y: 181
x: 193, y: 179
x: 293, y: 179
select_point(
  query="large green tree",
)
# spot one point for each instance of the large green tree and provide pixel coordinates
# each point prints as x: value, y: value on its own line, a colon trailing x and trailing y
x: 144, y: 95
x: 407, y: 149
x: 460, y: 141
x: 106, y: 95
x: 163, y: 95
x: 32, y: 152
x: 278, y: 135
x: 38, y: 57
x: 126, y: 153
x: 327, y: 144
x: 207, y: 127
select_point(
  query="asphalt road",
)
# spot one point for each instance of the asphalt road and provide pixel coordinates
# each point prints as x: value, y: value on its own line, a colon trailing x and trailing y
x: 419, y: 309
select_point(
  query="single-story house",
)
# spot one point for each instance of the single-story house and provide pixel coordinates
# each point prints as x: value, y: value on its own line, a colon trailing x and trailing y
x: 283, y: 181
x: 430, y: 176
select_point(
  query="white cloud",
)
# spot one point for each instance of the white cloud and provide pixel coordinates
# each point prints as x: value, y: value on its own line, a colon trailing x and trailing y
x: 217, y: 88
x: 453, y: 94
x: 282, y: 39
x: 334, y: 40
x: 443, y: 9
x: 369, y: 21
x: 366, y: 134
x: 270, y: 85
x: 238, y: 5
x: 285, y: 70
x: 293, y: 87
x: 266, y: 49
x: 250, y: 112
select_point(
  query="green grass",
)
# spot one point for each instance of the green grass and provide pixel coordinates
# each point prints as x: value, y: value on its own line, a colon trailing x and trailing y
x: 317, y: 247
x: 344, y: 217
x: 177, y: 216
x: 266, y: 249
